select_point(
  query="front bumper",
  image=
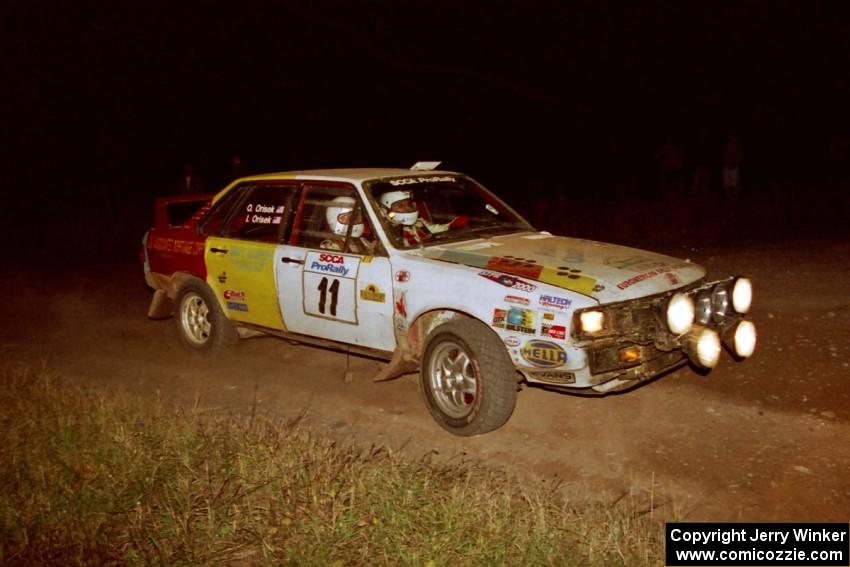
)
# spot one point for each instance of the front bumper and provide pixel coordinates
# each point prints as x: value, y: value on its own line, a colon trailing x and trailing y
x: 637, y: 345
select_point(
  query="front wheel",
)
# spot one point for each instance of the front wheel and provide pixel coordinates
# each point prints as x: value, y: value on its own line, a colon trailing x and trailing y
x: 201, y: 324
x: 467, y: 378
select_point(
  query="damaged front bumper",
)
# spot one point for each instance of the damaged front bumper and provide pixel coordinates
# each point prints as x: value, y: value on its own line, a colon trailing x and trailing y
x: 633, y: 341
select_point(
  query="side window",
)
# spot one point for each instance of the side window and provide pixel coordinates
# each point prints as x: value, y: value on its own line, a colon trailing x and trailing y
x: 332, y: 218
x: 262, y: 215
x: 215, y: 221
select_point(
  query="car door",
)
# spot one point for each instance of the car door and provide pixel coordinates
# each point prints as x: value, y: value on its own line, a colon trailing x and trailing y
x: 335, y: 281
x: 240, y: 253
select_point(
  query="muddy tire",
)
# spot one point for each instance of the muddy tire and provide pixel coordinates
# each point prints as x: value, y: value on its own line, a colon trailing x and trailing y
x: 467, y: 378
x: 201, y: 324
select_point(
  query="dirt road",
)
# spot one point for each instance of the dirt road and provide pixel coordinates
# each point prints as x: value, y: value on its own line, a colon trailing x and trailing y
x: 763, y: 440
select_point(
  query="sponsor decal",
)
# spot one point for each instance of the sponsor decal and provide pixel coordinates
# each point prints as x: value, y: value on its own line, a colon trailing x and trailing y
x: 414, y: 180
x: 324, y: 262
x: 508, y: 281
x: 279, y: 210
x: 672, y: 278
x: 554, y: 376
x: 512, y: 342
x: 514, y: 319
x: 543, y: 354
x: 402, y: 276
x: 554, y: 331
x: 234, y: 295
x: 276, y: 220
x: 222, y: 277
x: 499, y: 316
x: 372, y: 293
x: 548, y: 316
x: 237, y: 306
x: 179, y: 246
x: 554, y: 302
x: 517, y: 299
x: 516, y: 266
x: 401, y: 306
x: 645, y: 276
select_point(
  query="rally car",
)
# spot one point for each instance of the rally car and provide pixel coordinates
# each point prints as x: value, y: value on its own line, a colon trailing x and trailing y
x: 430, y: 271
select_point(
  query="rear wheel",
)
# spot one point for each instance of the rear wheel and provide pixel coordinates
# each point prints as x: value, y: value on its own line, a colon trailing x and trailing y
x: 201, y: 324
x: 467, y: 378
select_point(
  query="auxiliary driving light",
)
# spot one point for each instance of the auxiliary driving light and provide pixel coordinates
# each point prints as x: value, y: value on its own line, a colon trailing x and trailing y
x: 592, y: 321
x: 742, y: 295
x: 680, y: 313
x: 719, y: 302
x: 703, y: 346
x: 745, y: 339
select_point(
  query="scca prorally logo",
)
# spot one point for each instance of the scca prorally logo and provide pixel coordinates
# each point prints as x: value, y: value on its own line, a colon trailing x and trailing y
x: 543, y: 354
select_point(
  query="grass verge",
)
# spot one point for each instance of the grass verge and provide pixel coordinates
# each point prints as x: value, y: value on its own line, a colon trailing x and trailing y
x: 91, y: 478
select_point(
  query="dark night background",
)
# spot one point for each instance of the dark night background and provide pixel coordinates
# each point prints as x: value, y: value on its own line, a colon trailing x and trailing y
x: 103, y: 101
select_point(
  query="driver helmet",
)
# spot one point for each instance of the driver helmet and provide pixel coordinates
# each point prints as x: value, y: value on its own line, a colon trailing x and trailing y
x: 339, y: 215
x: 400, y: 208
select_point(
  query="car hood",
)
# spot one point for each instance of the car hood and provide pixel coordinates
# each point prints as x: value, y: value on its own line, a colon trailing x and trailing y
x: 605, y: 272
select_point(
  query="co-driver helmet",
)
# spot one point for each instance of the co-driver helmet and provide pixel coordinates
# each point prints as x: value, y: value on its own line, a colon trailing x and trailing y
x: 339, y: 216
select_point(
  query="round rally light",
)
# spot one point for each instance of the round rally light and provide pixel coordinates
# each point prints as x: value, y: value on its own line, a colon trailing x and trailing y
x: 680, y: 314
x: 708, y: 348
x: 719, y: 302
x: 742, y: 295
x: 745, y: 339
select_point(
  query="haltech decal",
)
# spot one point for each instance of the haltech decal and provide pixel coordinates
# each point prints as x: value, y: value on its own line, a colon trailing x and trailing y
x: 543, y: 354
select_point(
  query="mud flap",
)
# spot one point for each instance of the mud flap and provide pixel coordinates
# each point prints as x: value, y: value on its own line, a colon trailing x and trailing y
x: 401, y: 363
x: 161, y: 306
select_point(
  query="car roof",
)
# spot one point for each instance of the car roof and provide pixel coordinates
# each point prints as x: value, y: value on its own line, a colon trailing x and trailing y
x: 352, y: 174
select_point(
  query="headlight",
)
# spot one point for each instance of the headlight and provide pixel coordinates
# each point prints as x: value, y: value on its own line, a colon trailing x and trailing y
x: 680, y: 314
x: 742, y: 295
x: 592, y: 321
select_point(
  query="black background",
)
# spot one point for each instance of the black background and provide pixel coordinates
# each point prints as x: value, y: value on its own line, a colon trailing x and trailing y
x: 103, y: 101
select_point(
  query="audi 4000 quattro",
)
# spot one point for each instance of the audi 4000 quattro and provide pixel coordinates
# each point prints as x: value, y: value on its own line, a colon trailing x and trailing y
x: 430, y: 271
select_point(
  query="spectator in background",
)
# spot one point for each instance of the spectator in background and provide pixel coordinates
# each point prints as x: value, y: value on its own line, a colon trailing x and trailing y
x: 189, y: 182
x: 704, y: 156
x: 670, y: 160
x: 732, y: 155
x: 236, y: 170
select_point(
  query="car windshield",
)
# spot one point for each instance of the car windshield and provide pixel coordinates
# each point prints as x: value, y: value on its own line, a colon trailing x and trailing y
x: 422, y: 210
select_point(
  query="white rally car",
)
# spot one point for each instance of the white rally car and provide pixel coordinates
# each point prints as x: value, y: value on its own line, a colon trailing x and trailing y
x: 433, y: 272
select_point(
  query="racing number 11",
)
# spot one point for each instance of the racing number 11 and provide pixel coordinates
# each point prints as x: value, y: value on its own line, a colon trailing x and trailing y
x: 323, y: 290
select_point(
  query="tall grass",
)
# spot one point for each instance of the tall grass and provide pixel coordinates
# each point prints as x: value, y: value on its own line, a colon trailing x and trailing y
x: 91, y: 478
